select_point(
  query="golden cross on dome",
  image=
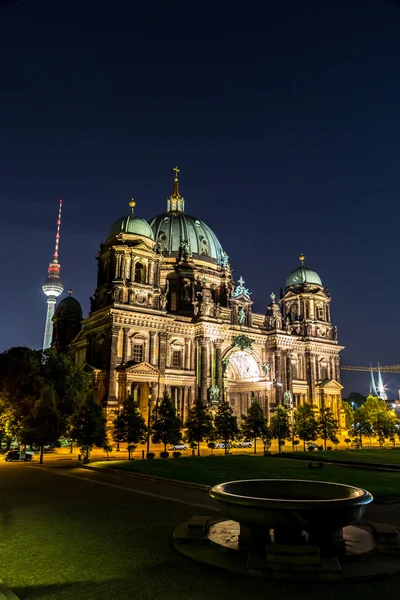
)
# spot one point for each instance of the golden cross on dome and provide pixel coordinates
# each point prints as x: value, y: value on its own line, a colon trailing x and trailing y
x: 176, y: 172
x: 302, y: 258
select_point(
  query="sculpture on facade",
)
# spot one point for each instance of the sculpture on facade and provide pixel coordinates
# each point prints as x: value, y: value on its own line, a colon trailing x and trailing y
x: 243, y: 342
x: 214, y: 394
x: 241, y: 316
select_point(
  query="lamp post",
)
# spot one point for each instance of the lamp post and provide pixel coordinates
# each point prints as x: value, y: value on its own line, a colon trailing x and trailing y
x: 148, y: 422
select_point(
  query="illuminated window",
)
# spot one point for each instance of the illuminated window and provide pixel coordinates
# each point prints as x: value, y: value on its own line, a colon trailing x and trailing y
x: 176, y: 358
x: 137, y: 352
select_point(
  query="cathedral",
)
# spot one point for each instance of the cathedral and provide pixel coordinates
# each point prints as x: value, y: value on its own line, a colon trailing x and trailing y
x: 167, y: 315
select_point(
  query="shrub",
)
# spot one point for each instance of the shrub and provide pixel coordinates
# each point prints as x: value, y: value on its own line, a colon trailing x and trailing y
x: 150, y: 455
x: 164, y: 454
x: 311, y: 448
x: 329, y: 448
x: 175, y: 454
x: 320, y: 448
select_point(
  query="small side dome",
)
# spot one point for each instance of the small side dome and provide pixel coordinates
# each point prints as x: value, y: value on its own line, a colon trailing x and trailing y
x: 303, y: 275
x: 131, y: 224
x: 70, y: 307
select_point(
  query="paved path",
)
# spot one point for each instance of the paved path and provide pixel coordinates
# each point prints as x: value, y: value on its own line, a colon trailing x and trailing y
x: 72, y: 534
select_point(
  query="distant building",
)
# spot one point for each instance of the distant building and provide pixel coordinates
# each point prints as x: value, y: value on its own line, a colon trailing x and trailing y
x: 166, y: 314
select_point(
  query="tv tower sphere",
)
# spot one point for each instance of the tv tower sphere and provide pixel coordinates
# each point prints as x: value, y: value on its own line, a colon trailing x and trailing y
x: 52, y: 287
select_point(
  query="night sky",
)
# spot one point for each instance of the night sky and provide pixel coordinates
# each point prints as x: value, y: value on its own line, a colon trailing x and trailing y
x: 283, y: 117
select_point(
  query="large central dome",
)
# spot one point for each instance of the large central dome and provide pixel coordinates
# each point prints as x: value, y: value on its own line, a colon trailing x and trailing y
x: 174, y: 228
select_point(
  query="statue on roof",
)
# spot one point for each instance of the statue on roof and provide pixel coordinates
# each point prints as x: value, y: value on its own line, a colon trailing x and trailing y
x: 224, y: 259
x: 240, y: 290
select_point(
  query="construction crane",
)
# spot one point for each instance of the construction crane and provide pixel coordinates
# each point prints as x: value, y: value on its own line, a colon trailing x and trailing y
x: 387, y: 369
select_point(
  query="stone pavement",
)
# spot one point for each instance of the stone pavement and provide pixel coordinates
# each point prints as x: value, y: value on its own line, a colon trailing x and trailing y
x: 72, y: 534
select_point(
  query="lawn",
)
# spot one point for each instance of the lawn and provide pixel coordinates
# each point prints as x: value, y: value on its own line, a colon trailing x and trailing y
x: 378, y: 456
x: 216, y: 469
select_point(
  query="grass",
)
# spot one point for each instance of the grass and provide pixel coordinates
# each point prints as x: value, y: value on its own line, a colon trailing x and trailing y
x: 378, y: 456
x: 216, y: 469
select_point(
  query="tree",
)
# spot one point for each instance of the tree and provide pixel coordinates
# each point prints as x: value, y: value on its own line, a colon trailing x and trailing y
x: 166, y: 426
x: 305, y: 424
x: 348, y: 442
x: 199, y: 424
x: 381, y: 419
x: 88, y: 426
x: 10, y: 422
x: 24, y: 373
x: 226, y: 425
x: 355, y: 399
x: 129, y: 426
x: 44, y: 425
x: 254, y: 424
x: 348, y: 414
x: 328, y: 425
x: 361, y: 425
x: 280, y: 426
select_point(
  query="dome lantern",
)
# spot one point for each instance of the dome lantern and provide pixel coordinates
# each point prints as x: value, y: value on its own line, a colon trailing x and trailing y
x: 175, y: 202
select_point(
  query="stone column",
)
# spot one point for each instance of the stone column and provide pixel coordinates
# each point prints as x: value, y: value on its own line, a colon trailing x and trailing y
x: 112, y: 375
x: 337, y: 361
x: 152, y: 347
x: 289, y: 371
x: 125, y: 342
x: 187, y: 354
x: 150, y: 272
x: 218, y: 368
x: 185, y: 402
x: 193, y: 354
x: 204, y: 369
x: 162, y: 336
x: 190, y: 397
x: 132, y: 276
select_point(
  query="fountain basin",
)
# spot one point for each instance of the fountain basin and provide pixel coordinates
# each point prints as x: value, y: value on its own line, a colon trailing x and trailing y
x: 295, y: 503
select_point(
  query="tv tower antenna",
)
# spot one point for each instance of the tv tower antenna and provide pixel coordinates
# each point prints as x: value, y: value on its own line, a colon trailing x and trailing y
x: 52, y: 287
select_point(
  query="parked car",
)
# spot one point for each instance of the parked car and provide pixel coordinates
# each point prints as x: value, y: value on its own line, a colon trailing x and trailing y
x: 222, y: 445
x: 13, y: 455
x: 312, y: 446
x: 243, y: 444
x: 178, y: 447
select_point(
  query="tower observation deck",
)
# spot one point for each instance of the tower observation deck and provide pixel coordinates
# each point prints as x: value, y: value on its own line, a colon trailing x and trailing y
x: 52, y: 287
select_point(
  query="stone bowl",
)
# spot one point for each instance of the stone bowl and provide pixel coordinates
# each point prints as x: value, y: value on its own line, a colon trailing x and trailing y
x: 291, y: 503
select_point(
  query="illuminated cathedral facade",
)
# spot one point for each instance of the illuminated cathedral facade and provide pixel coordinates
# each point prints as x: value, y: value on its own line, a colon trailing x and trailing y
x: 167, y: 315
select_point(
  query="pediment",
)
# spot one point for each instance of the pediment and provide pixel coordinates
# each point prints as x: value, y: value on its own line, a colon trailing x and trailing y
x: 330, y: 384
x: 143, y: 368
x: 90, y: 369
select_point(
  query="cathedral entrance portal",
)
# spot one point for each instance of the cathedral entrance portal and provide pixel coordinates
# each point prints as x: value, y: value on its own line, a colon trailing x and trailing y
x: 245, y: 379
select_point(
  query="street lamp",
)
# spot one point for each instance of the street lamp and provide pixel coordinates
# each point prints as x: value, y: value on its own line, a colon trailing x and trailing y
x: 148, y: 423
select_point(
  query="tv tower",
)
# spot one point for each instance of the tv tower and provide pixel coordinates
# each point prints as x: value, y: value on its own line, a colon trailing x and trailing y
x: 52, y: 287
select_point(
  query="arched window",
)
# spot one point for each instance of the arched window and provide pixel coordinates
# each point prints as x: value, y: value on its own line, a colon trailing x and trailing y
x: 140, y: 273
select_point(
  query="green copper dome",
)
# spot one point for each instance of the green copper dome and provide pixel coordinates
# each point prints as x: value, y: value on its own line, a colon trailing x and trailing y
x: 172, y: 228
x: 131, y: 224
x: 303, y: 275
x: 70, y: 306
x: 175, y: 230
